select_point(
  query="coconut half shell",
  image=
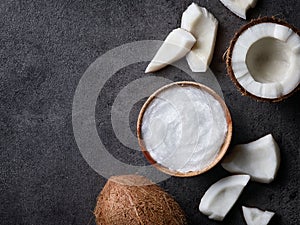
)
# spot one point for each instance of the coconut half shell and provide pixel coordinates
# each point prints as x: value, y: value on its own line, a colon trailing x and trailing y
x: 233, y: 73
x: 133, y: 199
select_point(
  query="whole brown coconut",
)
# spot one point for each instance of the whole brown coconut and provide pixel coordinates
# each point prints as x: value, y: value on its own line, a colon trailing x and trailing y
x: 133, y: 199
x: 229, y: 54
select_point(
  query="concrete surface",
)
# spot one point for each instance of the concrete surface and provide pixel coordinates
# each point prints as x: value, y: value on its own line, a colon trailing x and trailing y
x: 45, y: 47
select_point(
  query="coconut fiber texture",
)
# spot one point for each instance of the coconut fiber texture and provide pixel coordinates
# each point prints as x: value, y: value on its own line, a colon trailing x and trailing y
x: 133, y: 199
x: 47, y: 45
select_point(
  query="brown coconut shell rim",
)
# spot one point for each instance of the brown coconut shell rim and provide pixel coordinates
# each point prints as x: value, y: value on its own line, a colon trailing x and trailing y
x: 230, y: 50
x: 223, y: 148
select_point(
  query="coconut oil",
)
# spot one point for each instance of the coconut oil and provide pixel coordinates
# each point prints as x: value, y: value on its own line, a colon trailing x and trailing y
x: 183, y: 128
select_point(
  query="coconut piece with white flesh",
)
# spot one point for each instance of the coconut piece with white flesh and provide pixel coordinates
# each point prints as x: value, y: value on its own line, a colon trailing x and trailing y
x: 176, y: 45
x: 239, y: 7
x: 263, y: 59
x: 203, y: 25
x: 221, y: 196
x: 254, y: 216
x: 260, y: 159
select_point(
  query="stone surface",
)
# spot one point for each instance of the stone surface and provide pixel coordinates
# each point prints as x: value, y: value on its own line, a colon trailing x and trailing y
x: 46, y: 46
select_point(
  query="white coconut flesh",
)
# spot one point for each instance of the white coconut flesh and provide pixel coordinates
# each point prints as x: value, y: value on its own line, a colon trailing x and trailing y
x: 260, y: 159
x: 265, y: 60
x: 254, y: 216
x: 203, y: 25
x: 176, y: 45
x: 221, y: 196
x: 239, y: 7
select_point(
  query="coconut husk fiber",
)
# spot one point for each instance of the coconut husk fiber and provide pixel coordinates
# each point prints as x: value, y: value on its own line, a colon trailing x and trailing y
x: 133, y: 199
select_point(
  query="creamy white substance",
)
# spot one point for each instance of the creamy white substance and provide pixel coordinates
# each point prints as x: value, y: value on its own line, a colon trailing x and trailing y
x: 183, y: 128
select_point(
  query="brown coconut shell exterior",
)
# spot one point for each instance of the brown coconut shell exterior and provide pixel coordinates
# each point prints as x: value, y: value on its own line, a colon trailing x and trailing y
x: 223, y: 148
x: 132, y: 200
x: 230, y: 50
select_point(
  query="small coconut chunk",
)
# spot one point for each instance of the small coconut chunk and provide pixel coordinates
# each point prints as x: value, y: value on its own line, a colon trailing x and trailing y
x: 203, y: 25
x: 221, y: 196
x: 177, y: 44
x: 260, y: 159
x: 254, y: 216
x: 239, y: 7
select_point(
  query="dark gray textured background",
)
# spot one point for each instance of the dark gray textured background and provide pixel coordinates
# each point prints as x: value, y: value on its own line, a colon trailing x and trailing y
x: 45, y: 47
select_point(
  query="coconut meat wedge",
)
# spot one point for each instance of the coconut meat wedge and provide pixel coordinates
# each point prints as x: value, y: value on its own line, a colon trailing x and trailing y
x: 221, y: 196
x: 177, y: 44
x: 260, y: 159
x: 239, y: 7
x: 254, y: 216
x: 263, y: 59
x: 203, y: 25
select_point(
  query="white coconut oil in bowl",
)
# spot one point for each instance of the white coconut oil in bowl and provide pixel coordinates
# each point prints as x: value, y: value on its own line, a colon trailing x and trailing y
x: 184, y: 129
